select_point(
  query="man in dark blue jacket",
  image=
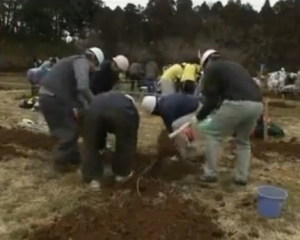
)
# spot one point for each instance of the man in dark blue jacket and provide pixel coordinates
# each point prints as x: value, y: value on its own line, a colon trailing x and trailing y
x: 171, y: 107
x: 116, y: 113
x: 175, y: 110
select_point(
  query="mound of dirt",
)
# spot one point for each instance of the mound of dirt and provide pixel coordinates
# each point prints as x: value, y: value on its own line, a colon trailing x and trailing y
x: 133, y: 218
x: 26, y: 139
x: 159, y: 166
x: 279, y: 104
x: 287, y: 149
x: 165, y: 146
x: 6, y: 151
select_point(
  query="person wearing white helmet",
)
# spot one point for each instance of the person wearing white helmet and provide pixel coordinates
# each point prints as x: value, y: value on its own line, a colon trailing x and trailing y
x: 175, y: 109
x: 64, y: 88
x: 116, y: 113
x: 105, y: 79
x: 232, y: 104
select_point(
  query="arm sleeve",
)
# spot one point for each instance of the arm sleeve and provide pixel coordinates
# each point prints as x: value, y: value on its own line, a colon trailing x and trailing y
x: 81, y: 70
x: 210, y: 92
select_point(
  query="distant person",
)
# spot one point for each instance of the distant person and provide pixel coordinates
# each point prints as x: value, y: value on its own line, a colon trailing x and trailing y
x: 136, y: 73
x: 151, y: 76
x: 169, y: 79
x: 106, y: 78
x: 188, y: 78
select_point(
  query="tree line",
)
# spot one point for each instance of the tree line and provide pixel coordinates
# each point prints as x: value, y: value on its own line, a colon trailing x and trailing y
x: 169, y: 30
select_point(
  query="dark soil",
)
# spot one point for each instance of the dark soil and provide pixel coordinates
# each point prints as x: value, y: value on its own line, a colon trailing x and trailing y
x: 290, y: 149
x: 278, y: 104
x: 26, y: 139
x: 134, y: 218
x: 10, y: 139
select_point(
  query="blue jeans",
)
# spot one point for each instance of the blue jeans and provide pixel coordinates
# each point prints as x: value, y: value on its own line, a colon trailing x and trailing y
x: 150, y: 83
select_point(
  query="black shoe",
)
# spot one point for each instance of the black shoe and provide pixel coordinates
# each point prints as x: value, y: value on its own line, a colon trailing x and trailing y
x: 240, y: 182
x: 208, y: 179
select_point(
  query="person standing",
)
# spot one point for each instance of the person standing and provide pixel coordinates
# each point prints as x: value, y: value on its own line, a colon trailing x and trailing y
x: 232, y: 104
x: 151, y: 75
x: 64, y: 88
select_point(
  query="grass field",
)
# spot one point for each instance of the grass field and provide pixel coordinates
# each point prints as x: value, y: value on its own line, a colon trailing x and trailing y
x: 169, y: 203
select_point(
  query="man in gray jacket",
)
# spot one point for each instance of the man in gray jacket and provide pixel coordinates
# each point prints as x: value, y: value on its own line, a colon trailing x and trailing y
x: 64, y: 88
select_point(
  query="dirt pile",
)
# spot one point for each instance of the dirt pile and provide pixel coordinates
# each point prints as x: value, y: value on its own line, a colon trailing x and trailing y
x: 278, y: 104
x: 10, y: 139
x: 133, y: 218
x: 289, y: 149
x: 26, y: 139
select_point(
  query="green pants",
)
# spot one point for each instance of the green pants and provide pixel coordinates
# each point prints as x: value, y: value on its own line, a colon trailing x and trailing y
x: 238, y: 117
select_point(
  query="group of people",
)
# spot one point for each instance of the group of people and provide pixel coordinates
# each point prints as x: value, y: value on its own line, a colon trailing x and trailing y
x: 231, y: 104
x: 179, y: 77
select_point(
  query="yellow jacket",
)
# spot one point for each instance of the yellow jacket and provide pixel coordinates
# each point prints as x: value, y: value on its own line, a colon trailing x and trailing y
x: 189, y: 73
x: 173, y: 73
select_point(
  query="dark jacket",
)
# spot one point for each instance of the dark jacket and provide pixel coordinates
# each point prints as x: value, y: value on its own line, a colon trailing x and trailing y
x: 174, y: 106
x: 103, y: 80
x: 225, y: 80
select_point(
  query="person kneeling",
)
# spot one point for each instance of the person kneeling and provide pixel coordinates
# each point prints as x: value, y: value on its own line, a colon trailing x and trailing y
x: 116, y: 113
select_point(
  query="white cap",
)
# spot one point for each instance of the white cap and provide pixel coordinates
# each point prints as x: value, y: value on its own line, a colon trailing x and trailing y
x: 98, y: 54
x: 149, y: 103
x: 206, y: 55
x: 122, y: 62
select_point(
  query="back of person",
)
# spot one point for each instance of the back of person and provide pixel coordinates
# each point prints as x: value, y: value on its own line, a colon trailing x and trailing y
x: 112, y: 100
x: 135, y: 68
x: 176, y: 105
x: 151, y: 70
x: 103, y: 80
x: 173, y: 73
x: 236, y: 84
x: 61, y: 80
x: 189, y: 72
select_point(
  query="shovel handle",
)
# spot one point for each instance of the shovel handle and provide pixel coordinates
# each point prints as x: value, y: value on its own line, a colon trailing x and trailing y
x: 179, y: 130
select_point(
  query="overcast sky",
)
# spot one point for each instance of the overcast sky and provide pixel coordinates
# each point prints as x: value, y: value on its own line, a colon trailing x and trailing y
x: 257, y: 4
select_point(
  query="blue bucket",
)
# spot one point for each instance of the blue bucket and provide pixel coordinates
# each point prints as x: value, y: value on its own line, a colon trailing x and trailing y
x: 270, y: 201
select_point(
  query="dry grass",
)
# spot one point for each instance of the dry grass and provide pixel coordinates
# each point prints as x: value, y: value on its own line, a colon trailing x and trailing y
x: 30, y: 195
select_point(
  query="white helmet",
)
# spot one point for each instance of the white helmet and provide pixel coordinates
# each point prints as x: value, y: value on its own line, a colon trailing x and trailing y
x: 122, y: 62
x: 98, y: 54
x: 149, y: 103
x: 206, y: 55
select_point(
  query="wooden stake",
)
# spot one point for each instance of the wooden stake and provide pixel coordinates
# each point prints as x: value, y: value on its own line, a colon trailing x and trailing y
x: 266, y: 117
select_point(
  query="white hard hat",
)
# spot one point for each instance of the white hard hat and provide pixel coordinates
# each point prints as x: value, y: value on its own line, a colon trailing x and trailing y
x: 98, y: 54
x: 149, y: 103
x: 206, y: 55
x: 122, y: 62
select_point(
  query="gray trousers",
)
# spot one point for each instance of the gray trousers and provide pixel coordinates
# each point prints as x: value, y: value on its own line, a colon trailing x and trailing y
x: 167, y: 87
x: 238, y: 117
x: 63, y: 125
x: 96, y: 125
